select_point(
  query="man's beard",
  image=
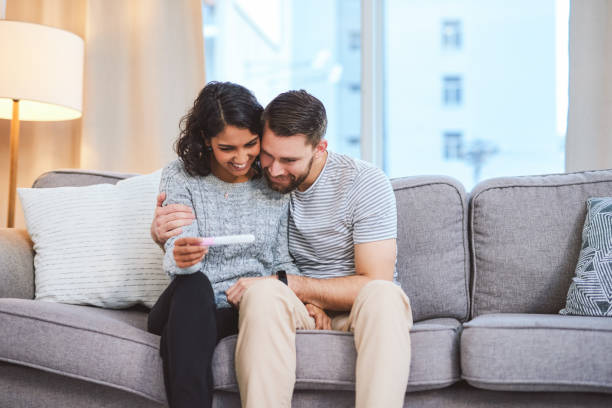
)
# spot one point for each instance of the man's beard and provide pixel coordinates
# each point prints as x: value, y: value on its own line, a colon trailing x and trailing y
x: 294, y: 183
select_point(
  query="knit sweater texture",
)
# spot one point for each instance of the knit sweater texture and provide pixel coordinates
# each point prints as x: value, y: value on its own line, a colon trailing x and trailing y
x: 223, y: 208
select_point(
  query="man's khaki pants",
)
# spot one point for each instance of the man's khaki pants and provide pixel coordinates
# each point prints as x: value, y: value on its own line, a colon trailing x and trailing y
x: 270, y: 314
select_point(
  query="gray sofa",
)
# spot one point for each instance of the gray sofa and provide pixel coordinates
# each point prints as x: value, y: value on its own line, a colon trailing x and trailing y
x: 486, y: 276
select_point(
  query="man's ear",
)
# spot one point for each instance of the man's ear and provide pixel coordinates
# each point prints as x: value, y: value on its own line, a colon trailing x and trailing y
x: 321, y: 147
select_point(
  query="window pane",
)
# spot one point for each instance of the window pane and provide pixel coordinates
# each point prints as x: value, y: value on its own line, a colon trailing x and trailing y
x: 271, y: 46
x: 475, y: 88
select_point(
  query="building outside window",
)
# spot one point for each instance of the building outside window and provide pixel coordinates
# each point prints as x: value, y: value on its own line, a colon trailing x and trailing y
x: 452, y: 92
x: 453, y: 145
x: 451, y: 34
x: 506, y: 90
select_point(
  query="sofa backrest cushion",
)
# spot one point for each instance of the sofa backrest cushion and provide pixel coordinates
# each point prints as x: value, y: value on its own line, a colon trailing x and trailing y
x: 433, y: 260
x: 77, y: 178
x: 525, y: 235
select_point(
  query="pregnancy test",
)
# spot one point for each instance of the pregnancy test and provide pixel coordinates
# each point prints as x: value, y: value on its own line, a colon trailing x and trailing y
x: 228, y: 240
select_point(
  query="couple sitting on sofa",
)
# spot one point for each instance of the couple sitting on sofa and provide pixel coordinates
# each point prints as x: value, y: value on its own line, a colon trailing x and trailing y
x: 237, y: 162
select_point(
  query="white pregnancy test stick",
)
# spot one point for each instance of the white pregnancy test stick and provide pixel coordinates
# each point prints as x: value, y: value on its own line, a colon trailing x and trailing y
x: 228, y: 240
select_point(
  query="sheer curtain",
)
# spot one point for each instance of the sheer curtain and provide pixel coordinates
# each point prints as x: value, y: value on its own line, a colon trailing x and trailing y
x: 144, y: 65
x: 589, y: 128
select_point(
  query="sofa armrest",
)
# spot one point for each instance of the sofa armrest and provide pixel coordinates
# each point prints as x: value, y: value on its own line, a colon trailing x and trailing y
x: 16, y: 264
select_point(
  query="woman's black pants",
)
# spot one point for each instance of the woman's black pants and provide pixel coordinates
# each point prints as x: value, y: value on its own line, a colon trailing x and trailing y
x: 190, y: 326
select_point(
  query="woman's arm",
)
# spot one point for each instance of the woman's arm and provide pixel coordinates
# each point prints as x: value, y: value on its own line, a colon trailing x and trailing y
x: 175, y: 184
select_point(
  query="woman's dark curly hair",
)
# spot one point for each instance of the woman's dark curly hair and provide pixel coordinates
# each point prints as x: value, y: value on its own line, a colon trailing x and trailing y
x: 218, y: 105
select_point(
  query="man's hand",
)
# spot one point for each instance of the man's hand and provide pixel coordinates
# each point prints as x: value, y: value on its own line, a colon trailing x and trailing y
x: 234, y: 294
x: 168, y: 220
x: 187, y: 252
x: 322, y: 320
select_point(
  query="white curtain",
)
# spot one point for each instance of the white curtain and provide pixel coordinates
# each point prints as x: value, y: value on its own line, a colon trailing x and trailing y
x: 144, y: 66
x: 589, y: 128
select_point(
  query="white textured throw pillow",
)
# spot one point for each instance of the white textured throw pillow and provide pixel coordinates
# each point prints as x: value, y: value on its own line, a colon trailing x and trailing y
x: 93, y: 245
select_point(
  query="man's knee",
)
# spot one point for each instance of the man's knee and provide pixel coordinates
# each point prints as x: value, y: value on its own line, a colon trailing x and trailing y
x: 263, y: 295
x: 382, y: 296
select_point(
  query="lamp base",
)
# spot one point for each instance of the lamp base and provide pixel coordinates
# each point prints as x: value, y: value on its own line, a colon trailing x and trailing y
x: 14, y: 152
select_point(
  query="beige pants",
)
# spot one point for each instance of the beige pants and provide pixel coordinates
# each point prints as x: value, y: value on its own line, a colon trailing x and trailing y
x: 270, y: 314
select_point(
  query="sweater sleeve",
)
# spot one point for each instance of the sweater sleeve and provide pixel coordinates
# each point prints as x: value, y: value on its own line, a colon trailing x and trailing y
x: 175, y: 183
x: 283, y: 261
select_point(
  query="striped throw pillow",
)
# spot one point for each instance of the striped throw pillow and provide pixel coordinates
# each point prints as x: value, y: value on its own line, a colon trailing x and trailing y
x: 92, y: 244
x: 590, y: 293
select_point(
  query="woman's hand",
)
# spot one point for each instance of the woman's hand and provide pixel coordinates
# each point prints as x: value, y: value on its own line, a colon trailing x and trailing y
x: 234, y: 294
x: 188, y: 252
x: 322, y: 320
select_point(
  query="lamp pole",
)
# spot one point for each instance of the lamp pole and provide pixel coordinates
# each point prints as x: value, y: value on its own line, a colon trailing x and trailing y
x: 14, y: 150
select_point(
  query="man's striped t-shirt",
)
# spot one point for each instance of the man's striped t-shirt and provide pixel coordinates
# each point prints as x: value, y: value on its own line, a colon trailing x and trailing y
x: 351, y: 202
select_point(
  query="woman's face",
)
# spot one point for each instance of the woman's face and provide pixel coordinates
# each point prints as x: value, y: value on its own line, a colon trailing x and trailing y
x: 234, y: 151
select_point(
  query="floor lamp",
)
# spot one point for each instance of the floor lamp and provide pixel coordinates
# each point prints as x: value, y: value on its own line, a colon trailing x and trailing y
x: 41, y: 79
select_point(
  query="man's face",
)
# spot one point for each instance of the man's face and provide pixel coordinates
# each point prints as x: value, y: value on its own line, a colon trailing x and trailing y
x: 286, y: 161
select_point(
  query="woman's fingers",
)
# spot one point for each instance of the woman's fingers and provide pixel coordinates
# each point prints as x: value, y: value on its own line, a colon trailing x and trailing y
x: 187, y: 252
x: 322, y: 320
x: 188, y: 241
x: 189, y: 258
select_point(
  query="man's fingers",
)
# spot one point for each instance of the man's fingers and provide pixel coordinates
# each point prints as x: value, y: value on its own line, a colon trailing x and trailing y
x: 172, y: 233
x: 166, y: 223
x: 173, y: 208
x: 185, y: 218
x: 177, y: 223
x: 179, y: 215
x: 160, y: 198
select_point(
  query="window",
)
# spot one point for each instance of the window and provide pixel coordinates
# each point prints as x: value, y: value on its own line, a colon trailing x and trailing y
x: 451, y: 34
x: 271, y: 46
x: 452, y: 92
x: 505, y: 92
x: 453, y: 145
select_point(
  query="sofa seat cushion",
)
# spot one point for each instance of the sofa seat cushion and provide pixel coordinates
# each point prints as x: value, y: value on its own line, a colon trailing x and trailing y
x: 326, y: 359
x: 537, y: 352
x: 107, y: 347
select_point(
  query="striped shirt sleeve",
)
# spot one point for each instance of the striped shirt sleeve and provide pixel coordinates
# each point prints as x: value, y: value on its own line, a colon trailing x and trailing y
x: 282, y: 259
x: 374, y: 209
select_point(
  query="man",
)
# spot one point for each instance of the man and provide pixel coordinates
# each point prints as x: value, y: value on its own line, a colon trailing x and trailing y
x: 342, y: 235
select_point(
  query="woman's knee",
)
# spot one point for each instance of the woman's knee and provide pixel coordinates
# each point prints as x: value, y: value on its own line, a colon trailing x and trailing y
x: 195, y: 287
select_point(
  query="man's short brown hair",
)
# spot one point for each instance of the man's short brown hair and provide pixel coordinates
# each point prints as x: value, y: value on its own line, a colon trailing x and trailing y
x: 296, y: 112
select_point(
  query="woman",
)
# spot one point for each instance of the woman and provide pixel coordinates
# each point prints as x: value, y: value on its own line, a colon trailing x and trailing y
x: 218, y: 175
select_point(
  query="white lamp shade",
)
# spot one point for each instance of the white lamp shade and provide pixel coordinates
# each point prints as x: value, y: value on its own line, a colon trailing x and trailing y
x: 42, y: 67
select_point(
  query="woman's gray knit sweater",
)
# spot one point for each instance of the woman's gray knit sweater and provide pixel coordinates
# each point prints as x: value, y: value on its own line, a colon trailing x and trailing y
x: 227, y: 209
